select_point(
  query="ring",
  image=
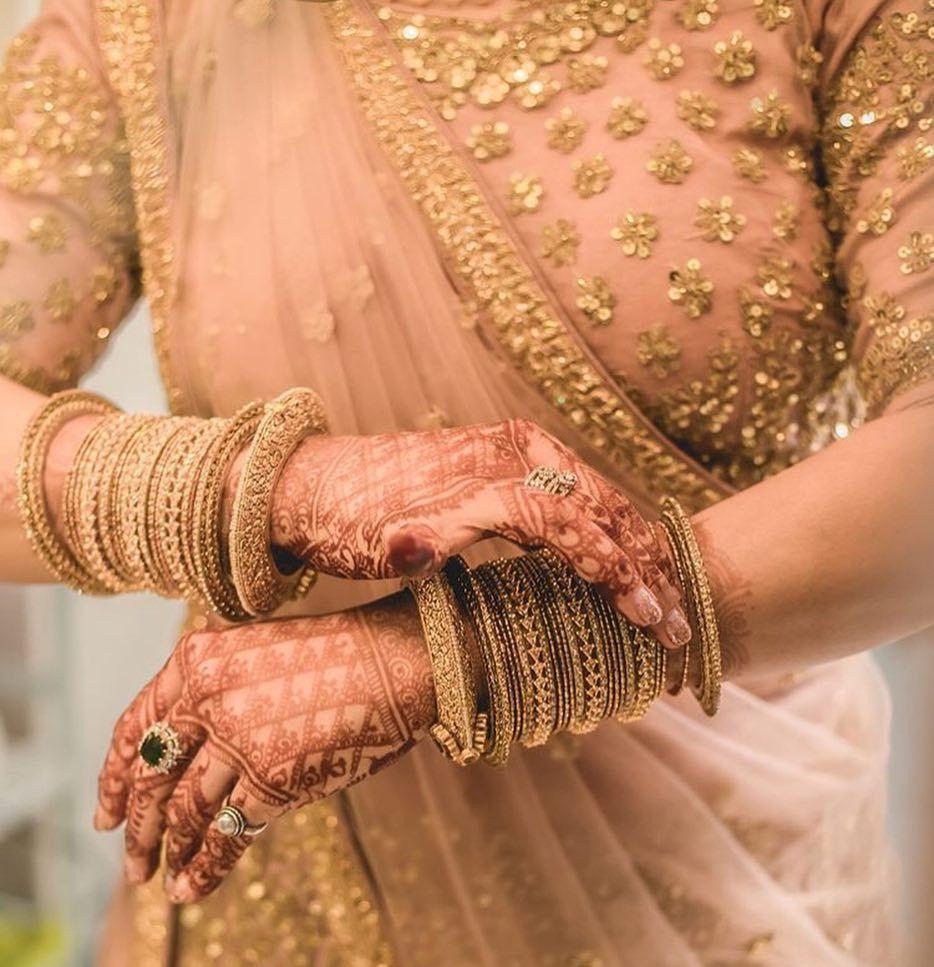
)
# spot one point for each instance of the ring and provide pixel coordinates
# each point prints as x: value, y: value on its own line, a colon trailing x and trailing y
x: 161, y: 747
x: 231, y: 822
x: 551, y: 481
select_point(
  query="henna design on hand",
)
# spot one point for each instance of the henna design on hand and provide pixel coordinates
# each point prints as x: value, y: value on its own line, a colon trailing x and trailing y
x: 278, y: 715
x: 368, y: 507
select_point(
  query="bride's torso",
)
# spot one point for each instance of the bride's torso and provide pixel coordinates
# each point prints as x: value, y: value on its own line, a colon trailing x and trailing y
x: 654, y: 160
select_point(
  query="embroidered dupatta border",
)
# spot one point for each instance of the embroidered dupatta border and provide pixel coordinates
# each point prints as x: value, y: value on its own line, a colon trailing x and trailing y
x: 129, y: 37
x: 489, y: 266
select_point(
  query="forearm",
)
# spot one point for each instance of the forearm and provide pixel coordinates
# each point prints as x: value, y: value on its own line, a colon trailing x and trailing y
x: 833, y: 556
x: 18, y: 560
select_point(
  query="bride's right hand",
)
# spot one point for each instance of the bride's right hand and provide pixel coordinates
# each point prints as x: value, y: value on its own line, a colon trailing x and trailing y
x: 401, y: 504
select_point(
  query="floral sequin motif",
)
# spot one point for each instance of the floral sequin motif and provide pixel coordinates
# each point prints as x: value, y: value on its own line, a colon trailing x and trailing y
x: 658, y: 351
x: 627, y: 117
x: 559, y: 242
x: 808, y: 60
x: 785, y: 221
x: 917, y: 253
x: 525, y: 193
x: 879, y: 216
x: 47, y: 233
x: 775, y: 277
x: 636, y: 232
x: 663, y: 60
x: 698, y: 110
x: 773, y: 13
x: 748, y: 164
x: 595, y: 300
x: 756, y: 314
x: 914, y: 159
x: 490, y: 140
x: 769, y: 116
x: 591, y: 176
x: 717, y: 220
x: 736, y: 58
x: 565, y: 131
x: 699, y: 14
x: 691, y: 289
x: 670, y: 163
x: 586, y: 73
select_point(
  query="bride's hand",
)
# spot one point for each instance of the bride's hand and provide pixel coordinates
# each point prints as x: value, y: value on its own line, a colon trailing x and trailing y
x: 401, y: 504
x: 273, y: 715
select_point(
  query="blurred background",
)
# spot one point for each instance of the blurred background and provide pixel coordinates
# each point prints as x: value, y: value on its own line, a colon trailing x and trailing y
x: 68, y: 667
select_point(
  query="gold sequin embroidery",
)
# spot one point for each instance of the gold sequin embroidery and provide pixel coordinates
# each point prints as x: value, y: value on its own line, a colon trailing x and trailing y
x: 769, y: 116
x: 591, y: 176
x: 525, y: 193
x: 917, y: 253
x: 717, y: 220
x: 627, y: 117
x: 658, y: 351
x: 691, y: 289
x: 490, y: 140
x: 565, y: 131
x: 636, y: 232
x: 670, y: 163
x: 736, y: 58
x: 596, y: 300
x: 560, y: 242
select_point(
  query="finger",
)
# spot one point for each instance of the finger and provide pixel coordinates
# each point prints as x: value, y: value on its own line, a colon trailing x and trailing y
x: 628, y: 529
x: 576, y: 528
x: 195, y: 802
x: 149, y: 706
x: 416, y: 551
x: 218, y: 853
x: 145, y: 819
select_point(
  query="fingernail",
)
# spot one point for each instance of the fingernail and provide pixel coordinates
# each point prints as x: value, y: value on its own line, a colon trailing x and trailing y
x: 677, y: 627
x: 647, y: 606
x: 411, y: 554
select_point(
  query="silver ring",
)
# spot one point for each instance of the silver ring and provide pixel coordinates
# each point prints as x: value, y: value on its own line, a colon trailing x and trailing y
x: 161, y: 747
x: 231, y: 822
x: 551, y: 481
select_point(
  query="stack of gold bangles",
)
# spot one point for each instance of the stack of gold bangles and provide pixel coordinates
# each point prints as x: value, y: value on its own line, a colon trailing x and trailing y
x: 553, y: 652
x: 142, y: 503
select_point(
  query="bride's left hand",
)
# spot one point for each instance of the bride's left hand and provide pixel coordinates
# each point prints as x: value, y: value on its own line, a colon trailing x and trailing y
x: 273, y: 715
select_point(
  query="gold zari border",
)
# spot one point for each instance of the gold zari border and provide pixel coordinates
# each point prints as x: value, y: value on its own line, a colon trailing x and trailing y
x: 128, y: 43
x: 487, y: 262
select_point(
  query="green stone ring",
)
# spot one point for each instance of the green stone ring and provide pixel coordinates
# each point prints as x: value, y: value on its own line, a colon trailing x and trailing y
x: 161, y: 747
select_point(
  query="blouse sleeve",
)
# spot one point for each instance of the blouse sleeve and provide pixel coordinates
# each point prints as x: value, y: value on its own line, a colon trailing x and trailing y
x: 67, y: 249
x: 878, y: 151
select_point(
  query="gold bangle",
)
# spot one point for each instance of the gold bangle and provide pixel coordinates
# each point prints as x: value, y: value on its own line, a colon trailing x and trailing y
x: 472, y: 603
x: 573, y: 595
x: 530, y: 633
x: 207, y: 542
x: 693, y: 576
x: 30, y: 472
x: 455, y: 696
x: 112, y: 523
x: 288, y: 420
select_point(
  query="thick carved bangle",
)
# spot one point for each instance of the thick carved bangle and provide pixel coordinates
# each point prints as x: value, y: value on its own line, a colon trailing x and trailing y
x: 288, y: 420
x: 455, y: 694
x: 34, y: 511
x: 696, y: 586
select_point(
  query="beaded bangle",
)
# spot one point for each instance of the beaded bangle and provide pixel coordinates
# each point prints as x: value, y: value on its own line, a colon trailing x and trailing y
x: 288, y: 420
x: 34, y: 511
x: 445, y: 635
x: 694, y: 581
